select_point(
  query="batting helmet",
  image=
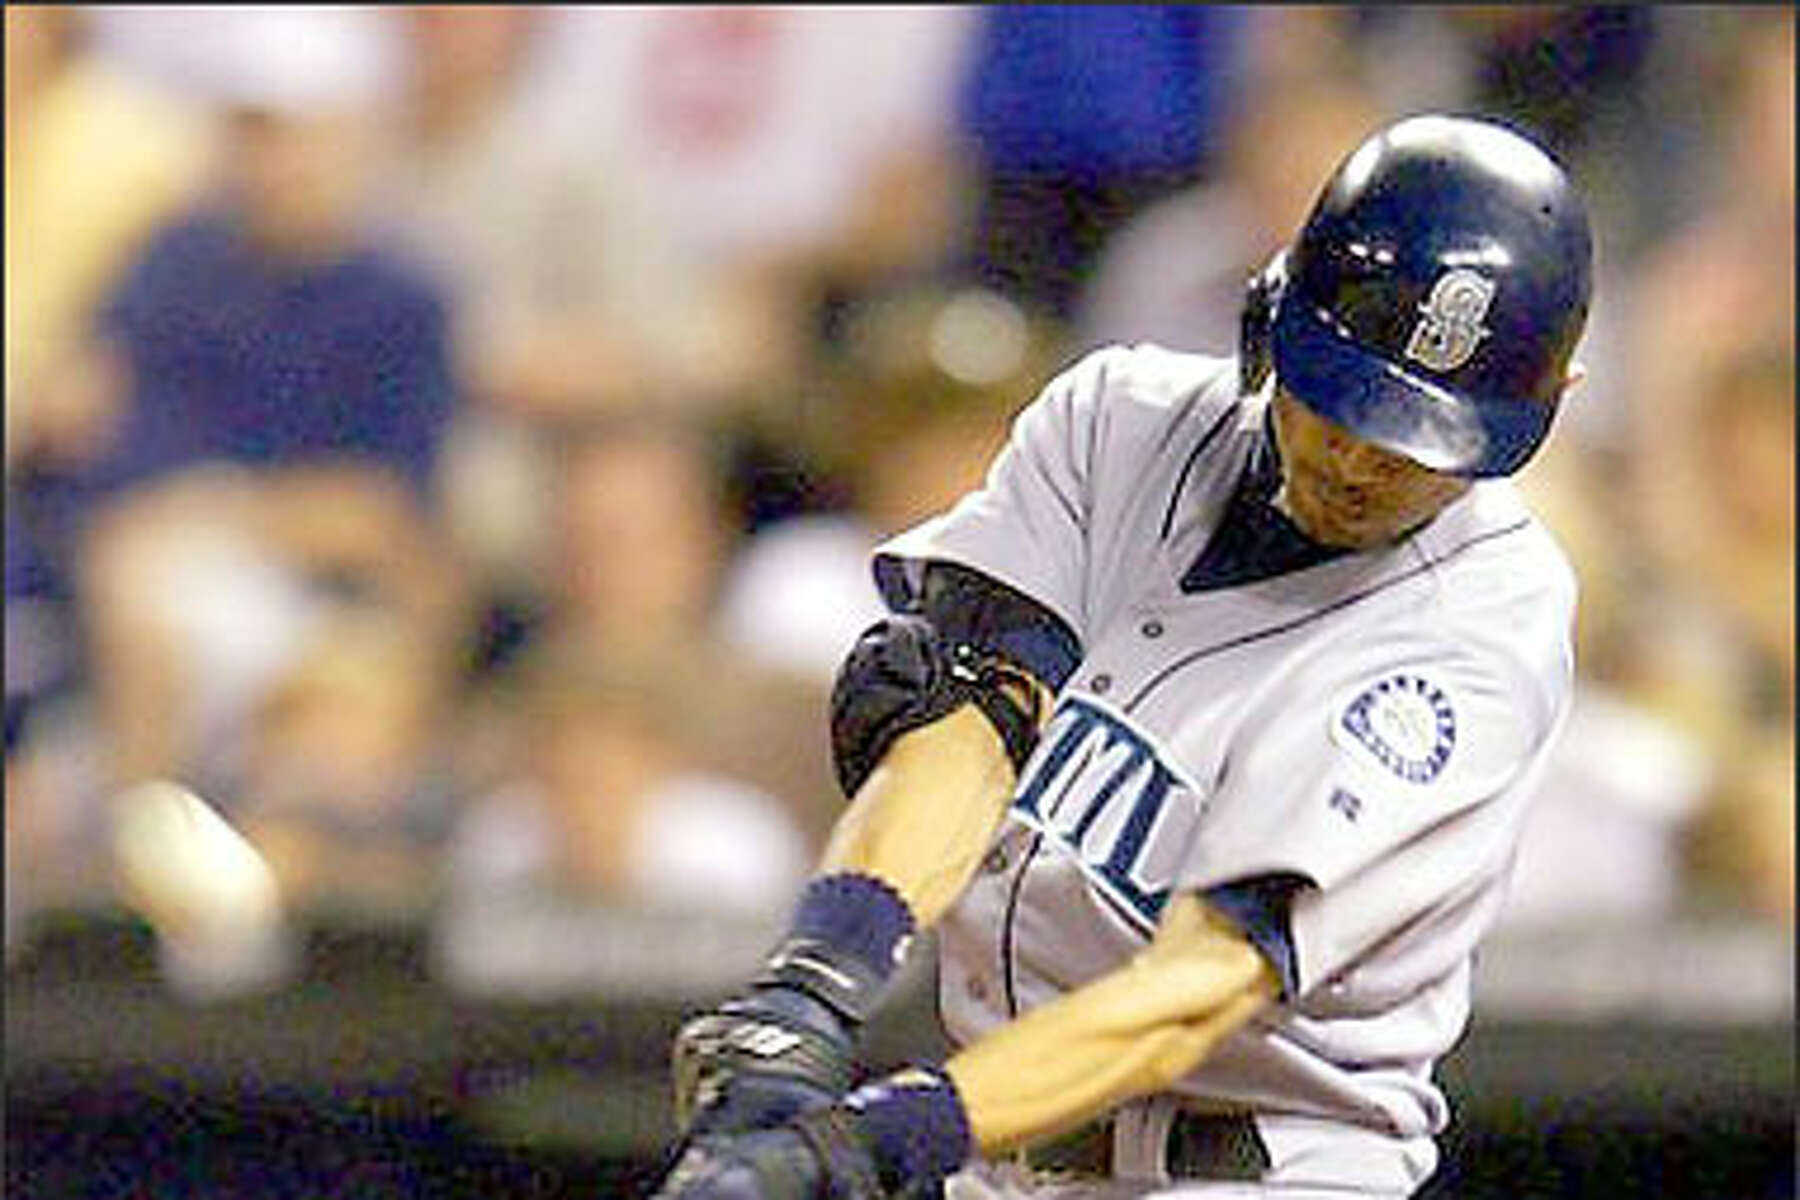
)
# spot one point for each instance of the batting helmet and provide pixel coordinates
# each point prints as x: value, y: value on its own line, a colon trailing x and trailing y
x: 1434, y: 296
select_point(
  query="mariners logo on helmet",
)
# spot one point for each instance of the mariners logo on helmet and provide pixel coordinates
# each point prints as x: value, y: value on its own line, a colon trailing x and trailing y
x: 1446, y: 336
x: 1435, y: 295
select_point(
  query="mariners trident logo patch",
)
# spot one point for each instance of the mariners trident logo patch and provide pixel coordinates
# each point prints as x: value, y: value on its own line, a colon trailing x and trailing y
x: 1405, y: 723
x: 1450, y: 329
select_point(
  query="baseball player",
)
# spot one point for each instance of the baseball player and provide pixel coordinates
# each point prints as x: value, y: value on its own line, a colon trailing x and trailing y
x: 1202, y: 734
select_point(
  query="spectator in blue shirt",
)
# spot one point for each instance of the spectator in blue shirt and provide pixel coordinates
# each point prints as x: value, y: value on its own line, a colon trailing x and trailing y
x: 285, y: 386
x: 1077, y: 116
x: 238, y: 348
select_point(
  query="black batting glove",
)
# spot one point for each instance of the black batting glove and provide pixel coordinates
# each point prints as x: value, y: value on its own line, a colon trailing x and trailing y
x: 900, y: 1137
x: 747, y: 1166
x: 760, y: 1060
x: 816, y: 1157
x: 786, y: 1045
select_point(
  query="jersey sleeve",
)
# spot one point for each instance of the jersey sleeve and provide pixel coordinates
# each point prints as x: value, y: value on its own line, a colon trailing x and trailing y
x: 1379, y: 789
x: 967, y: 606
x: 1028, y: 525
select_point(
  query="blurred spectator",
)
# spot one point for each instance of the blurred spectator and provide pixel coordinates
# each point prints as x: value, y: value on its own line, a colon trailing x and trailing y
x: 359, y: 365
x: 345, y: 788
x: 94, y: 161
x: 1715, y: 650
x: 931, y: 376
x: 1624, y: 776
x: 42, y: 834
x: 1603, y: 841
x: 31, y: 664
x: 1679, y: 118
x: 55, y: 762
x: 606, y: 858
x: 569, y: 293
x: 1722, y: 286
x: 604, y: 801
x: 1688, y: 595
x: 792, y: 151
x: 1176, y: 273
x: 286, y: 388
x: 1554, y: 67
x: 1748, y: 840
x: 1716, y: 329
x: 642, y: 530
x: 1076, y: 117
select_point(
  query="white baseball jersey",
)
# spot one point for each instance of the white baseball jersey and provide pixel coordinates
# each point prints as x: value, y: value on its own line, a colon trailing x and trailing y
x: 1373, y: 723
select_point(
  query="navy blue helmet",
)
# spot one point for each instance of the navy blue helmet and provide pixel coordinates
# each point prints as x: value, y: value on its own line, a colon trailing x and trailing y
x: 1433, y: 298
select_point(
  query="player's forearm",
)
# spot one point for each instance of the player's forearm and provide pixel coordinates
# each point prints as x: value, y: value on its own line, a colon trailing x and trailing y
x: 1129, y: 1033
x: 923, y: 819
x: 928, y: 758
x: 900, y: 855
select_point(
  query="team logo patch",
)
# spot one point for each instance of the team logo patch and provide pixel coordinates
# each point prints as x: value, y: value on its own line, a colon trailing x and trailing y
x: 1405, y: 722
x: 1450, y: 328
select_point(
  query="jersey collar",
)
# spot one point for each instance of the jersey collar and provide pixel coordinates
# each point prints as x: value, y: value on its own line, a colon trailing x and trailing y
x: 1254, y: 540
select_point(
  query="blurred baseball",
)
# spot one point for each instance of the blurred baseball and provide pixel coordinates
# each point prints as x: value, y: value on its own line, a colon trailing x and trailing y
x: 186, y: 869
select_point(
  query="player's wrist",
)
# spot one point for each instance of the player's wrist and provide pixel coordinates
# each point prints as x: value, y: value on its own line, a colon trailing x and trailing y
x: 849, y: 935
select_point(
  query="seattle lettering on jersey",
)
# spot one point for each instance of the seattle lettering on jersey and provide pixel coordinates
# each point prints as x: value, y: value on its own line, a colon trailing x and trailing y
x: 1099, y: 787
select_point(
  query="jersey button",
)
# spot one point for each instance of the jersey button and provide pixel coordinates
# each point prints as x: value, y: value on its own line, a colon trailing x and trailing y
x: 1102, y: 684
x: 1152, y: 628
x: 995, y: 862
x: 976, y: 987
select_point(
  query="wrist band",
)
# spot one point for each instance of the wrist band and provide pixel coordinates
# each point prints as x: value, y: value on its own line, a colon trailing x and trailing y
x: 849, y: 934
x: 914, y: 1124
x: 857, y: 915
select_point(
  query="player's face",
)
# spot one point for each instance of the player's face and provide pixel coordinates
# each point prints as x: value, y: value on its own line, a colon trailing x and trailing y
x: 1343, y: 491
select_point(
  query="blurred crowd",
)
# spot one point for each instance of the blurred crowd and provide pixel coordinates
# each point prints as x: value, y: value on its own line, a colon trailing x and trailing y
x: 450, y: 439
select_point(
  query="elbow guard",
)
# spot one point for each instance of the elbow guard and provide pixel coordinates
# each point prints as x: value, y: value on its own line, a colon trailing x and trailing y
x: 903, y: 674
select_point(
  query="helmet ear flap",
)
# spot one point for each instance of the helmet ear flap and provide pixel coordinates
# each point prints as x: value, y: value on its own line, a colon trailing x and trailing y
x: 1256, y: 338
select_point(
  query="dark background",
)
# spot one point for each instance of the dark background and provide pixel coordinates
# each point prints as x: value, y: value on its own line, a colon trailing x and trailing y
x: 366, y: 1079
